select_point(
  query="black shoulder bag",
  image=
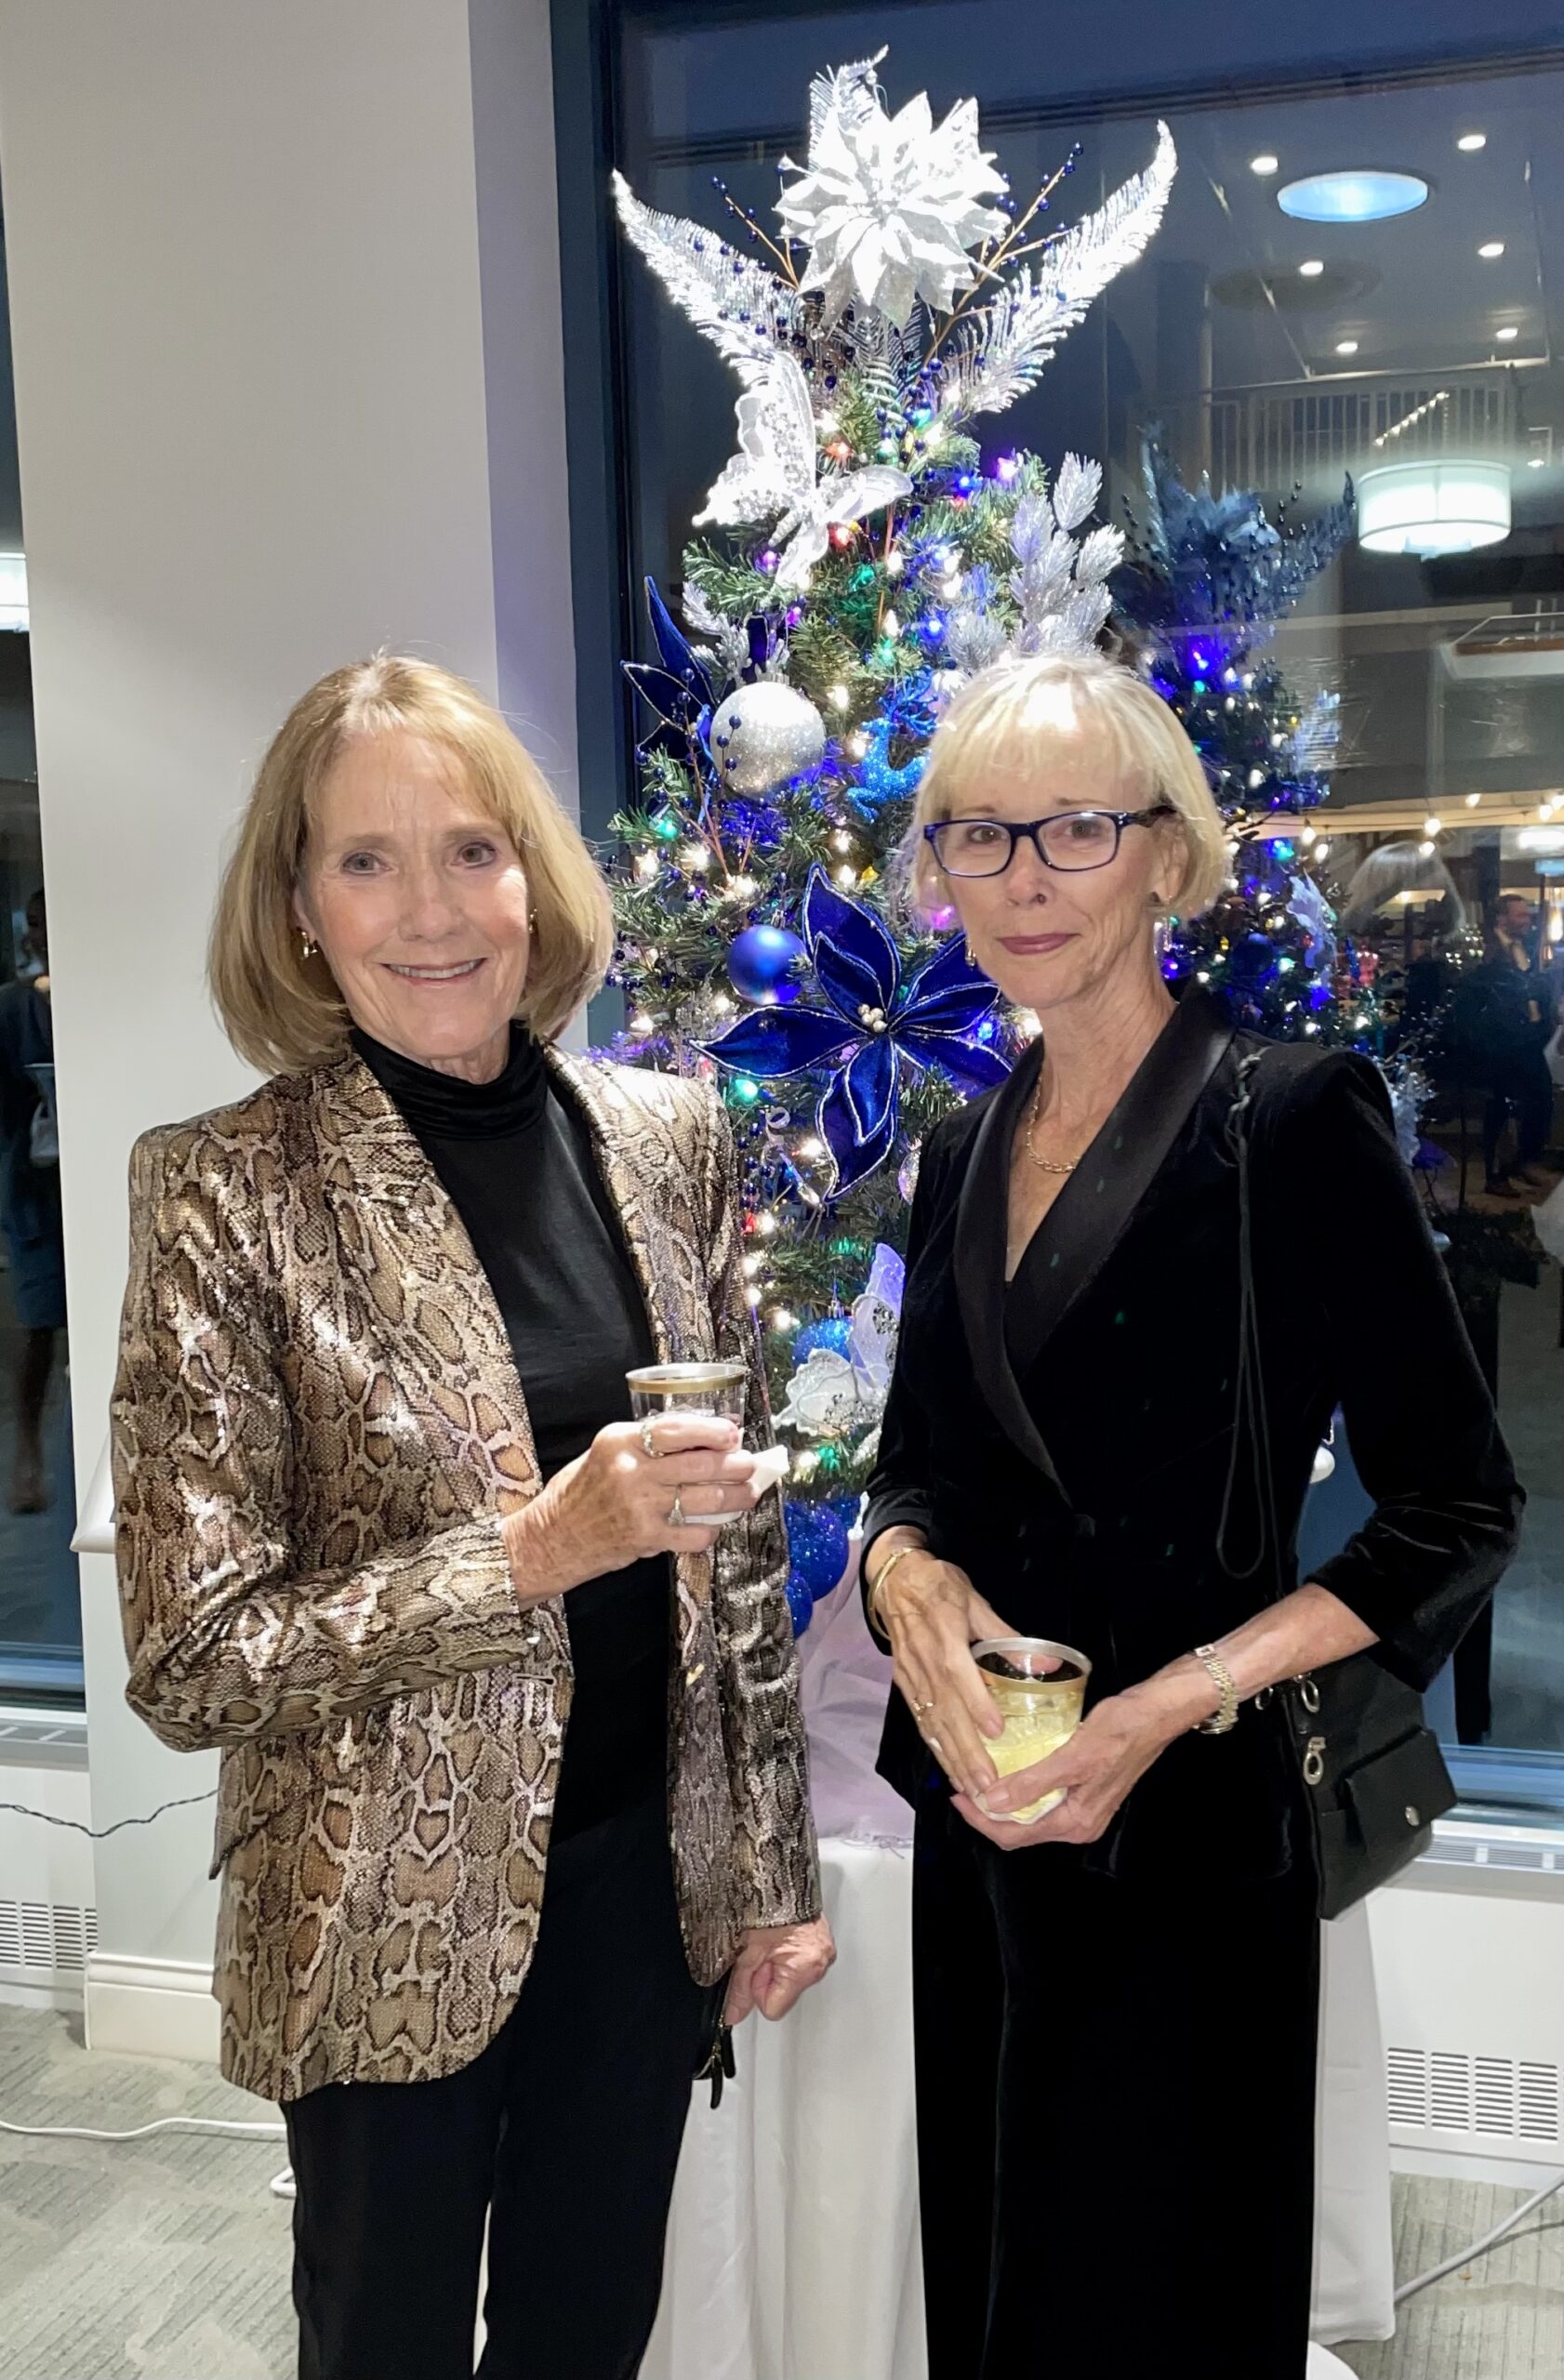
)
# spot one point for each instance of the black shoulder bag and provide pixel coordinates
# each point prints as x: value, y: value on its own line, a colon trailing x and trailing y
x: 1373, y: 1774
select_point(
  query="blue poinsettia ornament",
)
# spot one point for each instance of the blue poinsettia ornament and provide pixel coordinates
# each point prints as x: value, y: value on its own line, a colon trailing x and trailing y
x: 676, y: 688
x: 871, y: 1019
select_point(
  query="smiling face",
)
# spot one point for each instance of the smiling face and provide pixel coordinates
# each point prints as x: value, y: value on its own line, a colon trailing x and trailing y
x: 1046, y: 935
x: 420, y: 904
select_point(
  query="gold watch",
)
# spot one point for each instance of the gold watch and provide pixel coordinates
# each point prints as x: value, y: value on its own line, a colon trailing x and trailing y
x: 1226, y: 1715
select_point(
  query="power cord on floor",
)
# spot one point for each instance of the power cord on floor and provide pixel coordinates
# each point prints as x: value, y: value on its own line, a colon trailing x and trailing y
x: 218, y: 2126
x: 145, y: 2131
x: 102, y: 1833
x: 1481, y: 2247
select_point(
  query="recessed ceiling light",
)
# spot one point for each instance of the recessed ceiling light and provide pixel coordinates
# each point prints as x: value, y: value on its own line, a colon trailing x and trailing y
x: 1263, y: 164
x: 1511, y: 330
x: 1367, y: 196
x: 1472, y: 142
x: 1534, y: 462
x: 1347, y: 347
x: 1312, y: 270
x: 1491, y: 248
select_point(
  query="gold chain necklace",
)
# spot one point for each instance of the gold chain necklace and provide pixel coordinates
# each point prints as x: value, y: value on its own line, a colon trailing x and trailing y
x: 1043, y: 1164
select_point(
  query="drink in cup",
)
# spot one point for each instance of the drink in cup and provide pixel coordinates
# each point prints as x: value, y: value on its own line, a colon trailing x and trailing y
x: 715, y: 1389
x: 1039, y: 1688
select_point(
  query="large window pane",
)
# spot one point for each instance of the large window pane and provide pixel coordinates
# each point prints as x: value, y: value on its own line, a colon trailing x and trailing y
x: 1282, y: 354
x: 40, y: 1611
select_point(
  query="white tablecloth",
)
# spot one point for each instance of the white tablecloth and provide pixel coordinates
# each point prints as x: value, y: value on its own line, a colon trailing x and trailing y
x: 793, y: 2251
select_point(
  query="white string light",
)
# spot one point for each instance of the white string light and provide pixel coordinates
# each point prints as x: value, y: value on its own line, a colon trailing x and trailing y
x: 1418, y: 413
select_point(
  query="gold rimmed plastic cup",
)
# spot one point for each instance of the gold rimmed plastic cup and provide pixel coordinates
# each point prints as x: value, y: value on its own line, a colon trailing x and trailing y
x: 1040, y: 1687
x: 716, y: 1388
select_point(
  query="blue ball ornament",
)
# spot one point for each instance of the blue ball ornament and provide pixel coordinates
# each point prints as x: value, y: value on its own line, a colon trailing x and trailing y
x: 817, y: 1546
x: 1253, y: 960
x: 800, y: 1602
x: 762, y: 964
x: 835, y: 1332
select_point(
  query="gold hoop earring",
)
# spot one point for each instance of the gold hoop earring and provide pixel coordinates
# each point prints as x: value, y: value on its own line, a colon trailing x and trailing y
x: 971, y: 955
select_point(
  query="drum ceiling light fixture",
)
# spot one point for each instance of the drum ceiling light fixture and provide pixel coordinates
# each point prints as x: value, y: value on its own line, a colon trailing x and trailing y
x: 1438, y: 507
x: 1365, y: 195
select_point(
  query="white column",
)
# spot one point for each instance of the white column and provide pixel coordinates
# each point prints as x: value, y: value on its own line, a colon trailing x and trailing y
x: 254, y: 419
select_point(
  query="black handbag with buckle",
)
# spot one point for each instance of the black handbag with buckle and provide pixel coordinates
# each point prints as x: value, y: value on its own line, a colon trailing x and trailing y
x: 1373, y: 1774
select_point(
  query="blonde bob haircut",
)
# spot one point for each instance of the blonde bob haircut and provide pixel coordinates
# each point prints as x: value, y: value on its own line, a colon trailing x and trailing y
x: 282, y: 1009
x: 1010, y: 719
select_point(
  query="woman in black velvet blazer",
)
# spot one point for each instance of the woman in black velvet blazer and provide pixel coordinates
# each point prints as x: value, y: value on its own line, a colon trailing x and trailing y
x: 1117, y: 2004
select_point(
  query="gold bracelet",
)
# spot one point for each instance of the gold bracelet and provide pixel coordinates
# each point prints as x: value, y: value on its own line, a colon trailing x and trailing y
x: 873, y: 1597
x: 1226, y: 1715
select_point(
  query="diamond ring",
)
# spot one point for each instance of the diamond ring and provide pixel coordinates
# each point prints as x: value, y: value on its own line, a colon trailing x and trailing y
x: 676, y: 1513
x: 647, y: 1448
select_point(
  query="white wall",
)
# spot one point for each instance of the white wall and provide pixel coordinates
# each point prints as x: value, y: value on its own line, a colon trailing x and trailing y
x: 248, y: 322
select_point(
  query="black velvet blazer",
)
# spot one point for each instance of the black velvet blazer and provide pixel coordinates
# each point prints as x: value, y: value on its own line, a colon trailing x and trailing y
x: 1070, y: 1440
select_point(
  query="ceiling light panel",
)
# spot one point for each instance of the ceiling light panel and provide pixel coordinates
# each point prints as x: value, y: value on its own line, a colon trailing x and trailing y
x: 1366, y: 195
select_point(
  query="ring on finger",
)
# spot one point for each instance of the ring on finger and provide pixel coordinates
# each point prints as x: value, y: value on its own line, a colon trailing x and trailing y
x: 676, y: 1513
x: 647, y: 1448
x: 919, y: 1708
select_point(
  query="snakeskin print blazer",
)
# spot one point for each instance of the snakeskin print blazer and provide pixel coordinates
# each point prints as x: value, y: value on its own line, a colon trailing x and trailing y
x: 317, y: 1429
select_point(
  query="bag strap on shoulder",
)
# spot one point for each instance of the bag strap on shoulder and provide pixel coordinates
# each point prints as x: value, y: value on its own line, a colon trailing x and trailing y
x: 1263, y: 1076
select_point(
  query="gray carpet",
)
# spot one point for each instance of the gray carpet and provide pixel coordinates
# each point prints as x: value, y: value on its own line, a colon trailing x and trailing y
x: 167, y: 2260
x: 1501, y: 2319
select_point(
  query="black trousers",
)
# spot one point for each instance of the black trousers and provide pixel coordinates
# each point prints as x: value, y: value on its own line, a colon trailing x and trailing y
x: 564, y: 2132
x: 1523, y: 1087
x: 1115, y: 2117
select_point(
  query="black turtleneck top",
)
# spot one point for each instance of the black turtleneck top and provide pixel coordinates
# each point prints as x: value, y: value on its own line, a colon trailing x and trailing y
x: 516, y: 1159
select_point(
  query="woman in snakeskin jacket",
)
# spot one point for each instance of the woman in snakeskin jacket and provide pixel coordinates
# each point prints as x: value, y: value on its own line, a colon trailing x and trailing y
x: 513, y: 1808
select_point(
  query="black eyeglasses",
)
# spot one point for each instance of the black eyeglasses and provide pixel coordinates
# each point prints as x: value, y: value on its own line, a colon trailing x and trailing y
x: 1070, y: 839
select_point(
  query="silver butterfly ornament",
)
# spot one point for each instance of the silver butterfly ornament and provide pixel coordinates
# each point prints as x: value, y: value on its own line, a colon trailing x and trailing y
x: 776, y: 472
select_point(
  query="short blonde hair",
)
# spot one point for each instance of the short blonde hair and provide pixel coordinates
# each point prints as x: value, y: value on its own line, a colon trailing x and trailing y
x: 1007, y: 719
x: 281, y: 1009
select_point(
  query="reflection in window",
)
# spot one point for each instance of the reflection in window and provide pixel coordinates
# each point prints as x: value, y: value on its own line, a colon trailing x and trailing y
x: 1416, y: 350
x: 40, y: 1613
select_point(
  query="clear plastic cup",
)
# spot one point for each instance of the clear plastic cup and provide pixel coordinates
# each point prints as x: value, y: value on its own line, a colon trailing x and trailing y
x: 717, y: 1388
x: 1041, y: 1689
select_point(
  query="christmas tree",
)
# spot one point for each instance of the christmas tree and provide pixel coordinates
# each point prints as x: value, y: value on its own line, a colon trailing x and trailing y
x: 1205, y: 581
x: 865, y: 563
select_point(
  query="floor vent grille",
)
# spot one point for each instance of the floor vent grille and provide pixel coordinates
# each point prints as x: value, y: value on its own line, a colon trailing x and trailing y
x: 1490, y: 2099
x: 47, y: 1937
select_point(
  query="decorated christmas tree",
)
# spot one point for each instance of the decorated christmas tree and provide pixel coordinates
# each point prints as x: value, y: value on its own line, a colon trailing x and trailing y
x: 1206, y: 580
x: 861, y: 562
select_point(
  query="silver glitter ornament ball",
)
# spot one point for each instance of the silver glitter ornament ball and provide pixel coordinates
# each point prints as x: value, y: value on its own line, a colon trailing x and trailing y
x: 763, y: 734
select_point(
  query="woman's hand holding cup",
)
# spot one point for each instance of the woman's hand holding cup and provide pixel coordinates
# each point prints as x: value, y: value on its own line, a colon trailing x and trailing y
x: 934, y: 1615
x: 622, y: 1501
